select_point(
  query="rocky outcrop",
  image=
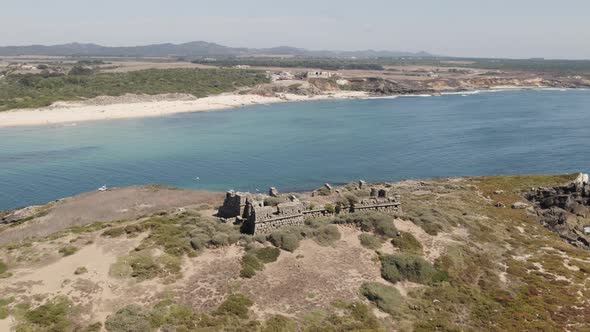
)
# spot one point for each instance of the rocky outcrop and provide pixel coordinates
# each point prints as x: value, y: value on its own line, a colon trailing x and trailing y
x: 565, y: 209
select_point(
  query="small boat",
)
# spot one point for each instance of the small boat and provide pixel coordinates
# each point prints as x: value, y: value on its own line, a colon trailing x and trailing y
x: 103, y: 188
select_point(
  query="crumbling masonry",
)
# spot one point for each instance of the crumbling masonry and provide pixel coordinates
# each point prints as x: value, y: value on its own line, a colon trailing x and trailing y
x: 256, y: 218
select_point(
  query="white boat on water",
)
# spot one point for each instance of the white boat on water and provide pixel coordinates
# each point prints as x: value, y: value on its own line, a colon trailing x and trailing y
x: 103, y: 188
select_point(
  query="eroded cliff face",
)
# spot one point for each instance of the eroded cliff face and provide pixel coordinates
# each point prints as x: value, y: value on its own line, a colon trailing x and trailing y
x: 380, y: 86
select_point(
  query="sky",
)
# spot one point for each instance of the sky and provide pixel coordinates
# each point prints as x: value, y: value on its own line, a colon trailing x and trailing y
x: 471, y: 28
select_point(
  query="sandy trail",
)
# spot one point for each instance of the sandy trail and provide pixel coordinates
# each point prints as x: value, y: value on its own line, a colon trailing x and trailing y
x: 131, y: 106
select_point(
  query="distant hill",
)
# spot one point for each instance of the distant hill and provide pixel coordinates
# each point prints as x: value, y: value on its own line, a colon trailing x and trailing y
x: 197, y: 48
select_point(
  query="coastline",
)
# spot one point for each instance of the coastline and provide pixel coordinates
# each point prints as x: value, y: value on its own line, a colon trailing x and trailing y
x: 140, y: 106
x: 110, y: 108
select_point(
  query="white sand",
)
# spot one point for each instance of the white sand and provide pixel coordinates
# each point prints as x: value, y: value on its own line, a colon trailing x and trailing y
x: 145, y: 106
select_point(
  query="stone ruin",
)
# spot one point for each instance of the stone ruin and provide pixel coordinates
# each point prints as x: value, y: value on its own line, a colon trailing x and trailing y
x: 565, y: 210
x: 256, y: 218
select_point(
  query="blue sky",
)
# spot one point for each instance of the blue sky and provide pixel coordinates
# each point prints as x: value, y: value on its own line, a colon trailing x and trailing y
x: 501, y: 28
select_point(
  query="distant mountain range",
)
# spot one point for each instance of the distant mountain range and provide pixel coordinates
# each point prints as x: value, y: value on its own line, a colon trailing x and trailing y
x: 192, y: 49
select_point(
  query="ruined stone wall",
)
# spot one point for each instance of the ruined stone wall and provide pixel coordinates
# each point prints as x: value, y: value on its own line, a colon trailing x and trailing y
x: 259, y: 219
x: 233, y: 205
x: 271, y: 225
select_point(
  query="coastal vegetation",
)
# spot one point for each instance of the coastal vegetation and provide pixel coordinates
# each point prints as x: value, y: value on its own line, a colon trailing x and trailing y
x: 452, y: 261
x: 381, y: 63
x: 38, y: 90
x: 297, y: 62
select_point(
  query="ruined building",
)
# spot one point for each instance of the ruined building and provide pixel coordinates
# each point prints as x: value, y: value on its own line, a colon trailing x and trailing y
x: 256, y: 218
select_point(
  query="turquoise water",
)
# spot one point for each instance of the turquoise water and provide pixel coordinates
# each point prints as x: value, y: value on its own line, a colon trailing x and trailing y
x: 299, y: 146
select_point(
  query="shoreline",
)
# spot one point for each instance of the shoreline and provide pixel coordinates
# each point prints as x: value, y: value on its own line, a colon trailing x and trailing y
x: 160, y: 105
x: 141, y: 106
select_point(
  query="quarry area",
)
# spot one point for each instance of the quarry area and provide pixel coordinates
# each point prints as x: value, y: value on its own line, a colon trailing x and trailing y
x: 473, y: 253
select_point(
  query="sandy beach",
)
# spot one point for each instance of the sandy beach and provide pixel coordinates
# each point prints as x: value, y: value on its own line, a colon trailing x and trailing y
x: 134, y: 106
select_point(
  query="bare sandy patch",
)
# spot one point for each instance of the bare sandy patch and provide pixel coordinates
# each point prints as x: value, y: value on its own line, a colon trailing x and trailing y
x: 313, y: 277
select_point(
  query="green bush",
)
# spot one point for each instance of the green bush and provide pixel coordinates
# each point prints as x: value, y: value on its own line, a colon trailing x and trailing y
x: 94, y: 327
x: 278, y: 323
x: 131, y: 318
x: 143, y: 267
x: 330, y: 208
x: 3, y: 267
x: 4, y: 310
x: 370, y: 241
x: 250, y: 264
x: 247, y: 272
x: 351, y: 198
x: 387, y: 298
x: 67, y: 250
x: 407, y: 267
x: 326, y: 235
x: 253, y: 261
x: 286, y: 240
x: 406, y: 242
x: 378, y: 223
x: 169, y: 316
x: 267, y: 254
x: 51, y: 316
x: 235, y: 305
x: 220, y: 239
x: 114, y: 232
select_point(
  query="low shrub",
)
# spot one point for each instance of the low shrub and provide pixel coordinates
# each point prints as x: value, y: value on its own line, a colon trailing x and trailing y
x: 235, y: 305
x: 170, y: 316
x: 247, y: 272
x: 4, y: 310
x: 406, y: 242
x: 370, y: 241
x: 351, y: 198
x: 330, y: 208
x: 219, y: 240
x: 114, y: 232
x: 387, y: 298
x: 67, y: 250
x: 3, y: 267
x: 250, y: 264
x: 131, y: 318
x: 326, y: 235
x: 378, y: 223
x: 279, y: 323
x: 414, y: 268
x: 286, y: 240
x: 94, y: 327
x: 267, y: 254
x: 80, y: 270
x: 54, y: 315
x: 143, y: 266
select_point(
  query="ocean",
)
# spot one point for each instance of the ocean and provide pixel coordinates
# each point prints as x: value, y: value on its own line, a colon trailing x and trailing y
x: 301, y: 146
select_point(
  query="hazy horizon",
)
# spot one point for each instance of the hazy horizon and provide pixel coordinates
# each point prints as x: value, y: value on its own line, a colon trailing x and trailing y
x: 454, y: 28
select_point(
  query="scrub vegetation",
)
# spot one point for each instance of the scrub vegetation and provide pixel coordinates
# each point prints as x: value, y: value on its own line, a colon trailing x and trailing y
x: 453, y: 261
x: 38, y: 90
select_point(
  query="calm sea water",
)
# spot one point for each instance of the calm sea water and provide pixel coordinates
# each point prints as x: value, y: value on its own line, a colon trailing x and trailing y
x: 299, y: 146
